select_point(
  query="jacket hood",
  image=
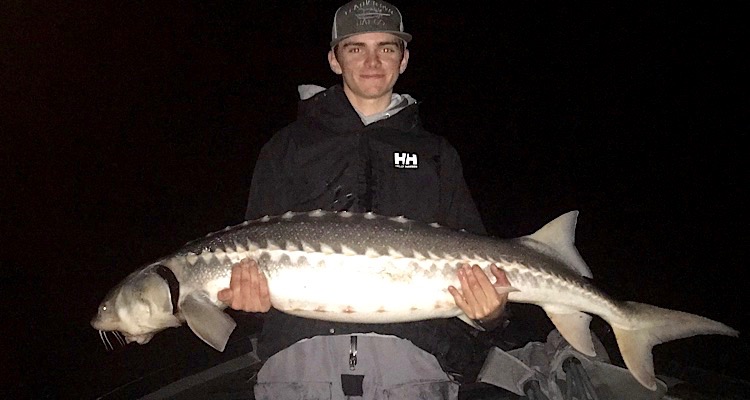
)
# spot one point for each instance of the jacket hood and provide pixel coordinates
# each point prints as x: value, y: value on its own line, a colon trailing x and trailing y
x: 330, y: 109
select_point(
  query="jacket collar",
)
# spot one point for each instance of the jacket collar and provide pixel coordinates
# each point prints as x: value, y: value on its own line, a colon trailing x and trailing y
x: 330, y: 109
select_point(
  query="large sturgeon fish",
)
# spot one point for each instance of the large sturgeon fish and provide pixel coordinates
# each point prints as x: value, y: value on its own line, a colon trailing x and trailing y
x: 351, y: 267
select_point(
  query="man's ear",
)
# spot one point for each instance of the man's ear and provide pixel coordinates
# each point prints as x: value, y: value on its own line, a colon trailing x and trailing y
x: 404, y: 61
x: 334, y: 63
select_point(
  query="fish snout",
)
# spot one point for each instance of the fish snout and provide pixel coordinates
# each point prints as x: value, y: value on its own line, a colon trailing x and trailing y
x: 105, y: 322
x: 100, y: 325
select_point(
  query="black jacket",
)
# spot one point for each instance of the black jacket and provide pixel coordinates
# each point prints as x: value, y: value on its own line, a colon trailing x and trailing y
x: 328, y: 159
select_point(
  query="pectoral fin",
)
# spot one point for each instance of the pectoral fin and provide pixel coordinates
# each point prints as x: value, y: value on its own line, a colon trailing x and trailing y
x: 505, y: 289
x: 465, y: 318
x: 573, y: 325
x: 207, y: 320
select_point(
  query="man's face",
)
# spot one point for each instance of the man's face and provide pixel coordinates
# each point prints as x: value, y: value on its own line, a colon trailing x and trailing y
x: 370, y: 64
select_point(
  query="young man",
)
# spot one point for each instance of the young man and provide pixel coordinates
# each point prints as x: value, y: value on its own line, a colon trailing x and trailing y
x: 360, y: 147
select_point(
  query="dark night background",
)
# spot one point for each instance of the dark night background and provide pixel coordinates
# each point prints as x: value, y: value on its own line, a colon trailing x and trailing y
x: 130, y: 128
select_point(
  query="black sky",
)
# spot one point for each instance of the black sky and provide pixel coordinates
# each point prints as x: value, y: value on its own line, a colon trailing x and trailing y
x: 130, y: 128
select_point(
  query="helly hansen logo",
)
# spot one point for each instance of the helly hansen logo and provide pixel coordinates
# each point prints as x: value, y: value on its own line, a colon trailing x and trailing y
x: 405, y: 160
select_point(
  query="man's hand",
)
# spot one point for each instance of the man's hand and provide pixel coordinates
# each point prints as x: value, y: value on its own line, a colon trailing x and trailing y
x: 248, y: 288
x: 478, y: 297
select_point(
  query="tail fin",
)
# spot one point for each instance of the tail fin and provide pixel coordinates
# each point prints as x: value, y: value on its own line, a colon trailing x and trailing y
x: 653, y: 325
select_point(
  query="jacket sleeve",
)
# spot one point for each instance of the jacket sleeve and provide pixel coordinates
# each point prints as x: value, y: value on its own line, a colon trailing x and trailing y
x: 457, y: 205
x: 269, y: 188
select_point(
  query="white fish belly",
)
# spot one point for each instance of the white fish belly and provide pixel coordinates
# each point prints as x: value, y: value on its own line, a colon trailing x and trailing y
x: 359, y: 288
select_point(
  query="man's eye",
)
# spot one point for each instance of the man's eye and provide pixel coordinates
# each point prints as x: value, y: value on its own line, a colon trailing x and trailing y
x: 354, y: 49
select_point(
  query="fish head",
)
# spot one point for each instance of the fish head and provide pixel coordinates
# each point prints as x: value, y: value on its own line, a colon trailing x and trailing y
x: 139, y: 307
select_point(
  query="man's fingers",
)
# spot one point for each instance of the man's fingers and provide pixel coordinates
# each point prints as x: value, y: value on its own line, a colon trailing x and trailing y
x: 236, y: 283
x: 469, y: 289
x: 265, y: 296
x: 487, y: 298
x: 258, y: 283
x: 478, y: 297
x: 224, y: 295
x: 479, y: 285
x: 459, y: 299
x: 240, y: 283
x: 248, y: 288
x: 487, y: 290
x: 231, y: 294
x: 234, y: 279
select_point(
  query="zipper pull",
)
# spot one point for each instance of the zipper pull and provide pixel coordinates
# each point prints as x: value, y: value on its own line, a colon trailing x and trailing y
x: 353, y: 353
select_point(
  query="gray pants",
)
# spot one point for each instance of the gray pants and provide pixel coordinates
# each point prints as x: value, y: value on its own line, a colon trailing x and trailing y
x: 543, y: 363
x: 361, y: 366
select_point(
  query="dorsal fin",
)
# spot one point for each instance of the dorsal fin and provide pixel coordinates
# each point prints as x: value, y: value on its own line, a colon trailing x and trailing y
x: 557, y: 239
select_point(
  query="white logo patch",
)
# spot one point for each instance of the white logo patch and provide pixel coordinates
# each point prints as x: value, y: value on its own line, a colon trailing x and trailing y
x: 405, y: 160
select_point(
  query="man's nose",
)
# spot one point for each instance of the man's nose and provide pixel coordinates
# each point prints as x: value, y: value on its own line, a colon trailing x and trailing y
x: 373, y: 58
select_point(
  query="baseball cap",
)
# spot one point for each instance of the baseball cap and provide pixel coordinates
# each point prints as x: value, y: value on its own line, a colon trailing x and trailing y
x: 363, y: 16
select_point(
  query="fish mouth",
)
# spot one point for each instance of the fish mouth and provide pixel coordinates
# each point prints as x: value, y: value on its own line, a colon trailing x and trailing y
x: 140, y: 339
x: 122, y: 338
x: 128, y: 337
